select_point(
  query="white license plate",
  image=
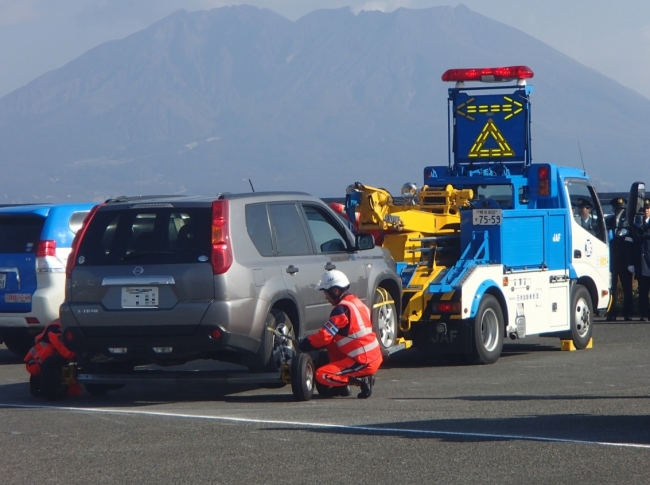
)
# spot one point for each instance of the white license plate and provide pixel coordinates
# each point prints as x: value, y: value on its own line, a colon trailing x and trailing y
x: 487, y: 217
x: 18, y: 298
x: 140, y: 297
x: 3, y: 281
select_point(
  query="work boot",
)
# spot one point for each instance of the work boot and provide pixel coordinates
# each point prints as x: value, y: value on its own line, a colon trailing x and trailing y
x: 366, y: 387
x: 610, y: 318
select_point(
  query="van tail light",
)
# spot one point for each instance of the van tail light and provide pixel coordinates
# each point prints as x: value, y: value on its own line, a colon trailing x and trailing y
x: 72, y: 257
x: 221, y: 249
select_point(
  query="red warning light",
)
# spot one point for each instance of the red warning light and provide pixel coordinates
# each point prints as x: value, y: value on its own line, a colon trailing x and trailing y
x: 544, y: 187
x: 488, y: 74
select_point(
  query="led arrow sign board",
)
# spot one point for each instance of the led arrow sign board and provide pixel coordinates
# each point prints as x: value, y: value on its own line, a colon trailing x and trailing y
x: 491, y: 127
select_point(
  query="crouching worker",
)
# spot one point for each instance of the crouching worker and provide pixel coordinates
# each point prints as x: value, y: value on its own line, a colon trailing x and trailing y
x: 353, y: 348
x: 45, y: 362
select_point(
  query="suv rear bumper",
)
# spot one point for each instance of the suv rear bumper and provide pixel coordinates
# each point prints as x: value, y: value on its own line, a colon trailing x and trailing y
x: 159, y: 349
x: 45, y: 308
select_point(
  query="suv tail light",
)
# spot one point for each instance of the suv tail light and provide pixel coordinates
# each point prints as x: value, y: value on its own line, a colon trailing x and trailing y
x: 72, y: 258
x: 46, y: 260
x: 221, y: 250
x: 46, y: 248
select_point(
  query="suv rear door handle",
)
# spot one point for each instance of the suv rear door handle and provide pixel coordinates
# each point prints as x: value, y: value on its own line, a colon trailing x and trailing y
x: 330, y: 266
x: 292, y: 269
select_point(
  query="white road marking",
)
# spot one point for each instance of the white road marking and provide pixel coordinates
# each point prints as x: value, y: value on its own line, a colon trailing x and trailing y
x: 372, y: 429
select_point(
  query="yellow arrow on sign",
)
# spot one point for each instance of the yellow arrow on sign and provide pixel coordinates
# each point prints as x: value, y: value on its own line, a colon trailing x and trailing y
x: 511, y: 107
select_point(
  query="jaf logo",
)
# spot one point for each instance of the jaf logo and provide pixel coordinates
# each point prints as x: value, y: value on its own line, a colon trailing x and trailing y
x: 556, y: 237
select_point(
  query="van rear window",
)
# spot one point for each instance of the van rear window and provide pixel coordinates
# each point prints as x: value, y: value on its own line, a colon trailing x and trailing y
x: 160, y: 235
x: 20, y: 234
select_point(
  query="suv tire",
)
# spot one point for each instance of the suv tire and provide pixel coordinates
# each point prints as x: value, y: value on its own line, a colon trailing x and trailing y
x: 269, y: 355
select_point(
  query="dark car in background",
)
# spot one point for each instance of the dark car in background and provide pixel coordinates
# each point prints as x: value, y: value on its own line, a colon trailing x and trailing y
x: 166, y: 280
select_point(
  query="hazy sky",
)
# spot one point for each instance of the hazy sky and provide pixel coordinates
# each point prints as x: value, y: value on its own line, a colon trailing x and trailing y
x: 610, y: 36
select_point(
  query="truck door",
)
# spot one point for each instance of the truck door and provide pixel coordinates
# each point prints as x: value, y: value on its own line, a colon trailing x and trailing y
x: 589, y: 247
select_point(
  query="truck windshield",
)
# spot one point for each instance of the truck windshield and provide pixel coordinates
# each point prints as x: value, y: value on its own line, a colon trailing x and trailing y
x: 501, y: 194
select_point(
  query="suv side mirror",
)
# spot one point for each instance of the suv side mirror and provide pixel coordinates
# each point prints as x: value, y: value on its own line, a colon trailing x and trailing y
x: 364, y: 241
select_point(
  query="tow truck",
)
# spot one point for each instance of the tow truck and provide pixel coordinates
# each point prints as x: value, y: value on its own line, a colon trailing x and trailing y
x: 491, y: 245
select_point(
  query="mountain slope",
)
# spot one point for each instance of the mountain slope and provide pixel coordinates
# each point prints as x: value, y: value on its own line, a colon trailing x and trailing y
x: 200, y: 102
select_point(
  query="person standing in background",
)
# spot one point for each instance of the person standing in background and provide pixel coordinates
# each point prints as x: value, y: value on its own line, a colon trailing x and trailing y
x: 618, y: 260
x: 639, y: 261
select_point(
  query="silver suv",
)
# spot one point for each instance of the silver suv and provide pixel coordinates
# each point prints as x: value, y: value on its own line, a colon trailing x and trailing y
x: 167, y: 280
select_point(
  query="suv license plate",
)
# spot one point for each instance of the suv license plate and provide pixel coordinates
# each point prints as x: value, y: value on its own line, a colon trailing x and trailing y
x: 3, y: 281
x: 140, y: 297
x: 487, y: 217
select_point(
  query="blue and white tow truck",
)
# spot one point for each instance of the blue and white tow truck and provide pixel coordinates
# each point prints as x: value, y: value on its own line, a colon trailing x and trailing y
x: 492, y: 245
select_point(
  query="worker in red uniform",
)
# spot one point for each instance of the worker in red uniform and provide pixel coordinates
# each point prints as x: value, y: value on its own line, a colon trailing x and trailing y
x: 48, y: 345
x: 352, y: 346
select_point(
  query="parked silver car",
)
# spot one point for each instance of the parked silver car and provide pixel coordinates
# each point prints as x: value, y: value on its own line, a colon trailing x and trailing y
x: 167, y: 280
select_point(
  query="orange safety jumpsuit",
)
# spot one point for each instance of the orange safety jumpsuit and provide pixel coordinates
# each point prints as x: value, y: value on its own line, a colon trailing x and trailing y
x: 351, y: 344
x: 48, y: 343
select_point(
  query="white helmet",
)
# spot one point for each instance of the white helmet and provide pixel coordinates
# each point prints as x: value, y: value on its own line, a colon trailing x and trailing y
x: 333, y: 278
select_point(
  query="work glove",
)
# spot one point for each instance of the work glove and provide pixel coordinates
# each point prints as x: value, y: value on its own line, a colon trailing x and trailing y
x: 630, y: 269
x: 304, y: 345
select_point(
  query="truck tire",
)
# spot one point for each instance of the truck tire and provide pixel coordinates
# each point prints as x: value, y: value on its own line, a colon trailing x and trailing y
x: 269, y: 355
x: 488, y: 332
x: 302, y: 377
x: 385, y: 321
x: 582, y: 317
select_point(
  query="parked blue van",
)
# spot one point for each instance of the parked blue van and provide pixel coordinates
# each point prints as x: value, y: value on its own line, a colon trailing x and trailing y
x: 35, y: 241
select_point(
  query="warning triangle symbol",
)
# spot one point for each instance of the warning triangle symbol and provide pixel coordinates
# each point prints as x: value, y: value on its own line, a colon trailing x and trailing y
x: 490, y: 136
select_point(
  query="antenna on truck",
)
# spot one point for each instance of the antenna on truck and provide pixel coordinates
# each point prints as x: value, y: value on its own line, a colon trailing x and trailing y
x: 251, y: 184
x: 584, y: 171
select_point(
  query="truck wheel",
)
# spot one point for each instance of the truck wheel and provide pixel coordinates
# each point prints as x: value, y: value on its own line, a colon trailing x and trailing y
x: 488, y: 332
x: 582, y: 315
x: 302, y: 377
x: 269, y: 355
x: 52, y: 387
x: 384, y: 321
x: 19, y: 344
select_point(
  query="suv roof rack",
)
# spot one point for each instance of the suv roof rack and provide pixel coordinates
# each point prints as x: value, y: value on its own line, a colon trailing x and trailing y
x: 135, y: 198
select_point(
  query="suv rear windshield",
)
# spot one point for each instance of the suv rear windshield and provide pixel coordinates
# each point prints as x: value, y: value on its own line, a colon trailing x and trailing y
x: 159, y: 235
x: 20, y: 234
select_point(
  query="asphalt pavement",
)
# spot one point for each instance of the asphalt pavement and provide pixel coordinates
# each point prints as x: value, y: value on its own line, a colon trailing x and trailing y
x: 539, y: 415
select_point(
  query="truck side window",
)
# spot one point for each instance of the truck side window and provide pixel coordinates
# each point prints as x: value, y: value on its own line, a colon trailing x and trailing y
x: 586, y: 210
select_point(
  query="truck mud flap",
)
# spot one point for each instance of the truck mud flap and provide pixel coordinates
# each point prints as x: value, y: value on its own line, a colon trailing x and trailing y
x: 455, y: 339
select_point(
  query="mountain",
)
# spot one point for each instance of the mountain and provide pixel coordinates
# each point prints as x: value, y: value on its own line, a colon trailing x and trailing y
x: 203, y: 102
